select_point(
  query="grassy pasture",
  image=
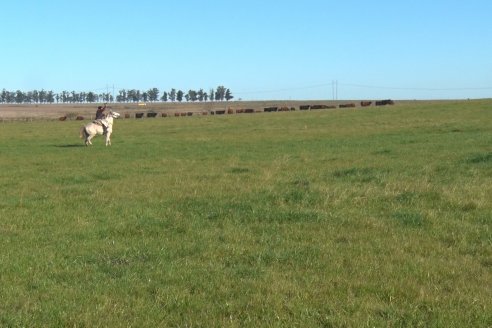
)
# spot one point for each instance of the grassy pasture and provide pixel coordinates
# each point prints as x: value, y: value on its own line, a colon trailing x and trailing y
x: 343, y: 218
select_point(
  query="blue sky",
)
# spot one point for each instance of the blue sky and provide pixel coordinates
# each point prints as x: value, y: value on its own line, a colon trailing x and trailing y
x: 287, y: 49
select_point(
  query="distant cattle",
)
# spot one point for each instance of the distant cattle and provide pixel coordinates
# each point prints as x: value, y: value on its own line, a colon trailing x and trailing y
x: 182, y: 114
x: 365, y: 103
x: 163, y: 114
x: 239, y: 111
x: 79, y: 118
x: 304, y: 107
x: 63, y: 118
x: 204, y: 113
x: 347, y: 105
x: 230, y: 111
x: 176, y: 114
x: 151, y: 114
x: 127, y: 115
x: 220, y: 112
x: 189, y: 113
x: 284, y: 109
x: 139, y: 115
x: 385, y: 102
x: 322, y: 107
x: 249, y: 110
x: 270, y: 109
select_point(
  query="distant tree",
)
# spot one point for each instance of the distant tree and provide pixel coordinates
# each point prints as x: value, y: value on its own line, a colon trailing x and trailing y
x: 145, y: 96
x: 90, y: 97
x: 19, y: 97
x: 35, y: 96
x: 42, y: 96
x: 172, y: 95
x: 179, y: 96
x: 50, y: 97
x: 66, y: 96
x: 200, y: 95
x: 28, y: 98
x: 3, y: 96
x: 192, y: 95
x: 131, y: 95
x: 228, y: 95
x: 10, y: 97
x: 107, y: 97
x: 121, y: 97
x: 134, y: 95
x: 153, y: 94
x: 220, y: 93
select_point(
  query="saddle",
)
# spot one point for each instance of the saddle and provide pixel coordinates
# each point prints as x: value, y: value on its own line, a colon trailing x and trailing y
x: 99, y: 121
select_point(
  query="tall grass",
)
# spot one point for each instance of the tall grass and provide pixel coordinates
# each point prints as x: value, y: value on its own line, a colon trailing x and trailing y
x: 377, y: 217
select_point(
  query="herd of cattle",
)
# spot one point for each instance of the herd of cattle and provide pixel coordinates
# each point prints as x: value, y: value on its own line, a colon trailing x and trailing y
x: 251, y: 110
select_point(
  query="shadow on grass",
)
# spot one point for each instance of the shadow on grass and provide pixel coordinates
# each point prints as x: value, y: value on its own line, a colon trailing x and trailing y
x: 70, y: 146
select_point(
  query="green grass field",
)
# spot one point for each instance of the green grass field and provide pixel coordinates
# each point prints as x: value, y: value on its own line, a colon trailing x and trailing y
x: 379, y: 217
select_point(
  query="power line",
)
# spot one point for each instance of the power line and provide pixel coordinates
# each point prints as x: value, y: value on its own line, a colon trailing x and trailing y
x: 414, y: 88
x: 335, y: 84
x: 286, y: 89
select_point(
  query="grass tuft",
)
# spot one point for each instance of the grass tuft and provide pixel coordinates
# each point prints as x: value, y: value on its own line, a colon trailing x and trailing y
x: 479, y: 158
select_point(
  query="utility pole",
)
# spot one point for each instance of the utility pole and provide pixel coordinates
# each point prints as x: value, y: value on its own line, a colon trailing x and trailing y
x: 334, y: 89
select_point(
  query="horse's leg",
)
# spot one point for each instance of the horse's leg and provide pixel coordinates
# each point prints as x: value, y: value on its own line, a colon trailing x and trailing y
x: 84, y: 135
x: 108, y: 140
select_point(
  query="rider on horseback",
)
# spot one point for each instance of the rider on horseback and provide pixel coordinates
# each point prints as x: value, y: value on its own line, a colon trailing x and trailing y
x: 101, y: 117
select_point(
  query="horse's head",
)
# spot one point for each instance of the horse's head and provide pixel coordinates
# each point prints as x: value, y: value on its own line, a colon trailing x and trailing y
x: 114, y: 114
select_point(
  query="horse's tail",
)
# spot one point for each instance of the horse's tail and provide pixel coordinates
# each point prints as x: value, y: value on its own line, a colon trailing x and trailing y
x: 83, y: 133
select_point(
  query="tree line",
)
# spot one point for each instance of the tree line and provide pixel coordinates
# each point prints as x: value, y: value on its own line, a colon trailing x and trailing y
x: 220, y: 93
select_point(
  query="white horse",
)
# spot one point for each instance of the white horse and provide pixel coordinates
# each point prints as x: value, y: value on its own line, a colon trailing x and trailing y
x: 103, y: 126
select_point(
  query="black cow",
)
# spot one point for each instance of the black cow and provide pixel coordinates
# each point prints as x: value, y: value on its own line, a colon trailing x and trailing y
x: 385, y: 102
x: 347, y: 105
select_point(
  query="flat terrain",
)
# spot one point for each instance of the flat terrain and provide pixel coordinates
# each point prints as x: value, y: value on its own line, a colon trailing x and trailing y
x: 374, y: 217
x: 54, y: 111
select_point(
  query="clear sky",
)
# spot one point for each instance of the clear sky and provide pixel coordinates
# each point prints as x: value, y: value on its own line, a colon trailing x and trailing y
x: 260, y: 49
